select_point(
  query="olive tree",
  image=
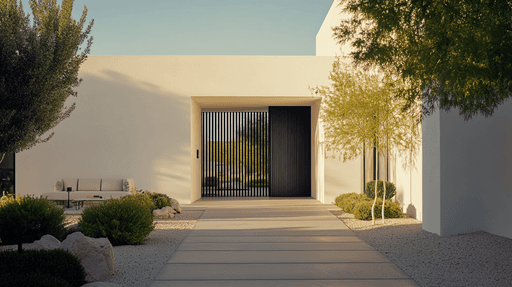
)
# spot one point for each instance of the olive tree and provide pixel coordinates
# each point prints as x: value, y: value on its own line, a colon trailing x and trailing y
x: 360, y: 109
x: 39, y: 63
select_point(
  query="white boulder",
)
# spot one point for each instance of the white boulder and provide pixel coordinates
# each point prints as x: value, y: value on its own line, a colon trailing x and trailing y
x: 176, y: 205
x: 73, y: 228
x: 47, y: 242
x: 95, y: 254
x: 166, y: 212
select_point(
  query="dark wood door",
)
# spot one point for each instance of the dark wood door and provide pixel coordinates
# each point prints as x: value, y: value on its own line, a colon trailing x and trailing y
x: 290, y: 151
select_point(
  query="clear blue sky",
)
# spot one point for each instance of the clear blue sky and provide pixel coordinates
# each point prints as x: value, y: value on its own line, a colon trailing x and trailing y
x: 203, y: 27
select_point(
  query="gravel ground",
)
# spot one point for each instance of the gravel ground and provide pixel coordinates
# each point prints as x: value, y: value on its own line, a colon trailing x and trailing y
x: 474, y: 259
x: 137, y: 265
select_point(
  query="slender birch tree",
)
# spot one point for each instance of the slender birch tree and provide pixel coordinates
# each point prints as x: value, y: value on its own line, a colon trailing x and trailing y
x: 360, y: 109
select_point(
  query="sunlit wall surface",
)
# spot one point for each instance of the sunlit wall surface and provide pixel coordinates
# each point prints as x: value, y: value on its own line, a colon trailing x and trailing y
x: 140, y: 117
x: 467, y: 187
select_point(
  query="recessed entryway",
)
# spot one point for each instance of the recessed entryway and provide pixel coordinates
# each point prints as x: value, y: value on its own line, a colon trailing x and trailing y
x: 256, y: 153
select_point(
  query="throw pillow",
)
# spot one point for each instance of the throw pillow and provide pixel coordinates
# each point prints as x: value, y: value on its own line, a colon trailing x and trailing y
x: 59, y: 185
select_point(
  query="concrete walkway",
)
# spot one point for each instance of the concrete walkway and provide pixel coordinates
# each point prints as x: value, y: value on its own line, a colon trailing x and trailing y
x: 275, y: 242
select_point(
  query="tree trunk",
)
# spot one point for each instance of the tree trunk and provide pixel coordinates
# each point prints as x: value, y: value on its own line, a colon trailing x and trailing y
x: 376, y: 179
x: 20, y: 249
x: 383, y: 200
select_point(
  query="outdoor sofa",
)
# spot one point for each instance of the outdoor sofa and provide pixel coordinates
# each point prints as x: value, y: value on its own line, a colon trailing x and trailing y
x: 90, y: 188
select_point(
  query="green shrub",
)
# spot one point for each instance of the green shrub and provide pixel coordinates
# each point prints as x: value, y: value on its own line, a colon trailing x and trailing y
x: 142, y: 199
x: 55, y: 263
x: 370, y: 189
x: 32, y: 280
x: 159, y: 200
x: 347, y: 201
x: 26, y: 219
x: 262, y: 182
x: 5, y: 198
x: 123, y: 221
x: 363, y: 210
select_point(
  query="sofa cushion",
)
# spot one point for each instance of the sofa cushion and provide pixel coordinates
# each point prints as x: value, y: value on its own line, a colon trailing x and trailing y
x: 112, y: 184
x: 70, y: 182
x: 59, y: 185
x: 89, y: 184
x: 129, y: 185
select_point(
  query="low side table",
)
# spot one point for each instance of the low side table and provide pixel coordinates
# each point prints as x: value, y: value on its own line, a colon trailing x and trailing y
x: 80, y: 201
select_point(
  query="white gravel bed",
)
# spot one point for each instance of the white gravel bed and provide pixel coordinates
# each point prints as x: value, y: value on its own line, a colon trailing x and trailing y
x: 474, y: 259
x: 138, y: 265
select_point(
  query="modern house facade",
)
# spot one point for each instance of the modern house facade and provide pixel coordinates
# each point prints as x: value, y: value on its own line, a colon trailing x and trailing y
x: 140, y: 117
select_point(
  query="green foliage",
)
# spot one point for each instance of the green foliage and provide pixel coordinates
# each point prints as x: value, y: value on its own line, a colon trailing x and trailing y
x: 242, y: 153
x: 123, y: 221
x: 370, y: 189
x: 363, y: 209
x: 159, y: 200
x: 262, y: 182
x: 348, y: 201
x: 360, y: 110
x: 32, y: 280
x: 453, y: 54
x: 140, y: 198
x: 26, y: 219
x: 39, y: 65
x: 56, y: 263
x: 6, y: 198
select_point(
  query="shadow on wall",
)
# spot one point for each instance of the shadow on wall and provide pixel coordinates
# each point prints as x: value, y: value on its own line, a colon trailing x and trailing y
x: 121, y: 128
x: 411, y: 210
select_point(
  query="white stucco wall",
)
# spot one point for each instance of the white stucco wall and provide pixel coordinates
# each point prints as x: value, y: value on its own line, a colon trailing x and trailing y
x: 469, y: 187
x: 431, y: 142
x: 409, y: 187
x: 138, y: 117
x: 339, y: 177
x: 326, y: 45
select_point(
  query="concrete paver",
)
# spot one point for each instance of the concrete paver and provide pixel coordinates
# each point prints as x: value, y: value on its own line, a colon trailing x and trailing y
x: 275, y: 242
x: 276, y: 246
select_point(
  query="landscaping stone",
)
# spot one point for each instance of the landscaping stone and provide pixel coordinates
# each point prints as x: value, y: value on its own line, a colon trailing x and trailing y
x: 47, y: 242
x: 95, y: 254
x: 73, y: 228
x: 176, y: 205
x: 166, y: 212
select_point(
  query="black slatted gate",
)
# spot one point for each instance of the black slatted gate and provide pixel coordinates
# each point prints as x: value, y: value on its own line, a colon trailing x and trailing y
x: 235, y: 154
x: 290, y: 151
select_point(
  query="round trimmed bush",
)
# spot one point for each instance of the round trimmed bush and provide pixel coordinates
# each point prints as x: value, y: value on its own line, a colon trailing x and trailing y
x: 370, y: 189
x: 125, y: 221
x: 159, y: 200
x: 26, y: 219
x: 53, y: 263
x: 348, y: 201
x: 363, y: 210
x: 142, y: 199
